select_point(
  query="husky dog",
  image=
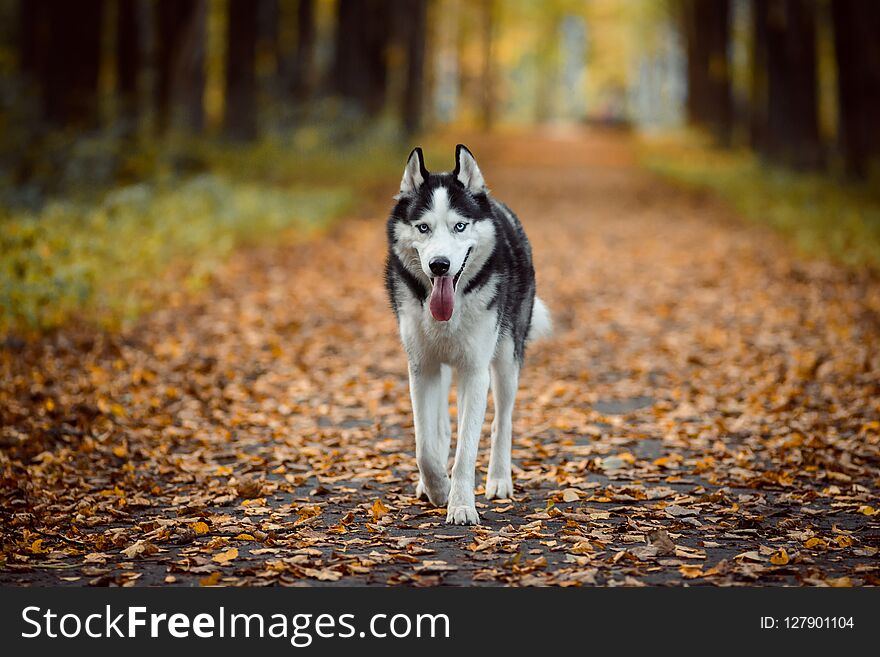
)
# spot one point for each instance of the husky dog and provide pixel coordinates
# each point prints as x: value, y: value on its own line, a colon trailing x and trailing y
x: 460, y: 279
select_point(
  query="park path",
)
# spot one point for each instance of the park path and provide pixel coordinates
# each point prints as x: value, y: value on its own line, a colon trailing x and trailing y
x: 707, y: 411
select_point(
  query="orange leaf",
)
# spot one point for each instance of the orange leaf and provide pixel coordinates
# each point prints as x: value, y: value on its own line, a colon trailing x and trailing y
x: 780, y: 557
x: 378, y: 510
x: 691, y: 572
x: 210, y: 580
x: 225, y: 557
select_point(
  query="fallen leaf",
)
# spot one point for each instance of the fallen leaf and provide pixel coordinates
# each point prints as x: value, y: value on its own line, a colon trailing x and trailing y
x: 210, y: 580
x: 225, y: 557
x: 571, y: 495
x: 780, y: 557
x: 677, y: 511
x: 378, y: 510
x: 690, y: 572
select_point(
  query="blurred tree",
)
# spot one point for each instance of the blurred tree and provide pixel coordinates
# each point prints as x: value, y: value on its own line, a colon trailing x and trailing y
x: 128, y: 61
x: 181, y: 64
x: 857, y: 46
x: 360, y: 71
x: 32, y: 39
x: 412, y: 17
x: 240, y: 118
x: 707, y: 34
x: 73, y: 53
x: 303, y: 64
x: 758, y: 82
x: 792, y: 136
x: 487, y: 83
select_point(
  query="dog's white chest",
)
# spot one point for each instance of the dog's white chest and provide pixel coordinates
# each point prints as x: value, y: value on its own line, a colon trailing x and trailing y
x: 467, y: 338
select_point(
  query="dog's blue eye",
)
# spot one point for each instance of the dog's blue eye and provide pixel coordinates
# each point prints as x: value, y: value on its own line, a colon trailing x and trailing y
x: 460, y: 226
x: 423, y: 228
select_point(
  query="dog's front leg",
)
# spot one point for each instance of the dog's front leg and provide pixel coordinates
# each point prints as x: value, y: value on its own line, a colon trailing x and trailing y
x: 432, y: 449
x: 473, y: 390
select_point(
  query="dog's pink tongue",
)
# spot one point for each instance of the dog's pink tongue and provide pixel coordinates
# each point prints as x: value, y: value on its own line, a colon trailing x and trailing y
x: 441, y: 298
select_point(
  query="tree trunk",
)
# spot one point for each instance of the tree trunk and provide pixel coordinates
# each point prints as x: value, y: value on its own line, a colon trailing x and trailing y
x: 32, y: 39
x: 305, y: 51
x: 73, y: 62
x: 181, y: 64
x: 417, y: 13
x: 360, y: 69
x: 857, y: 46
x: 128, y: 61
x: 487, y: 85
x: 240, y: 120
x: 792, y: 89
x: 707, y: 35
x: 758, y: 83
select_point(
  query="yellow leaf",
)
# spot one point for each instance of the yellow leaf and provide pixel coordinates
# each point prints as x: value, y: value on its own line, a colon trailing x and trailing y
x: 871, y: 426
x: 868, y: 510
x: 50, y: 405
x: 210, y: 580
x: 780, y: 557
x: 840, y: 582
x: 121, y: 451
x: 200, y: 527
x: 245, y: 537
x: 811, y: 543
x: 37, y: 547
x: 690, y: 572
x: 843, y: 541
x: 225, y: 557
x: 378, y: 510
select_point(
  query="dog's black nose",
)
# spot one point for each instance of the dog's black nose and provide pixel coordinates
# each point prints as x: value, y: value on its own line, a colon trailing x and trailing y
x: 439, y: 266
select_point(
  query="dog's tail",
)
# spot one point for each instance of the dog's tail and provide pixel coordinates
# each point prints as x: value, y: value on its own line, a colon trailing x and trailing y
x: 542, y: 324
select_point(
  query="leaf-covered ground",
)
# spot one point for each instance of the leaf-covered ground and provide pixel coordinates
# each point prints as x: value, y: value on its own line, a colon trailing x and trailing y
x: 708, y: 412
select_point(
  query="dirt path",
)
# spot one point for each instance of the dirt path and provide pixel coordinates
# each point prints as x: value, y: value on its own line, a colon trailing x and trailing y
x: 708, y: 412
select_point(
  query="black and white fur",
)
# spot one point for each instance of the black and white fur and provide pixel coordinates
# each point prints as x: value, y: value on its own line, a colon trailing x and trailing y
x: 451, y: 217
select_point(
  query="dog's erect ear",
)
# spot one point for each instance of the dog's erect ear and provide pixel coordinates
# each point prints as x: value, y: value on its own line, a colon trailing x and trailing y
x: 415, y: 173
x: 467, y: 171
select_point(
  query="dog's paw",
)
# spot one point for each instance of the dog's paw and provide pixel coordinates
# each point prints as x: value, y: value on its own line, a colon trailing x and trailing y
x: 499, y: 487
x: 421, y: 493
x: 462, y: 515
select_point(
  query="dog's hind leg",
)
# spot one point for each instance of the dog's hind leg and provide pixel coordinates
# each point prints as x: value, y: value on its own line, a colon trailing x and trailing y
x: 432, y: 448
x: 505, y: 379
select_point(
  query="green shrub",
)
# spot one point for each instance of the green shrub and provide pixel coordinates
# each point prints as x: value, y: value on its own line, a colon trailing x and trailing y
x: 824, y: 217
x: 107, y: 261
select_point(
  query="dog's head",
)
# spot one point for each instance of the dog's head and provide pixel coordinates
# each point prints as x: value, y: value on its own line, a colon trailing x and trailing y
x: 441, y: 233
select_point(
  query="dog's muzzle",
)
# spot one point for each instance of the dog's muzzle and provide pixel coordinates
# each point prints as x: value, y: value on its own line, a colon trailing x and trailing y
x: 442, y: 300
